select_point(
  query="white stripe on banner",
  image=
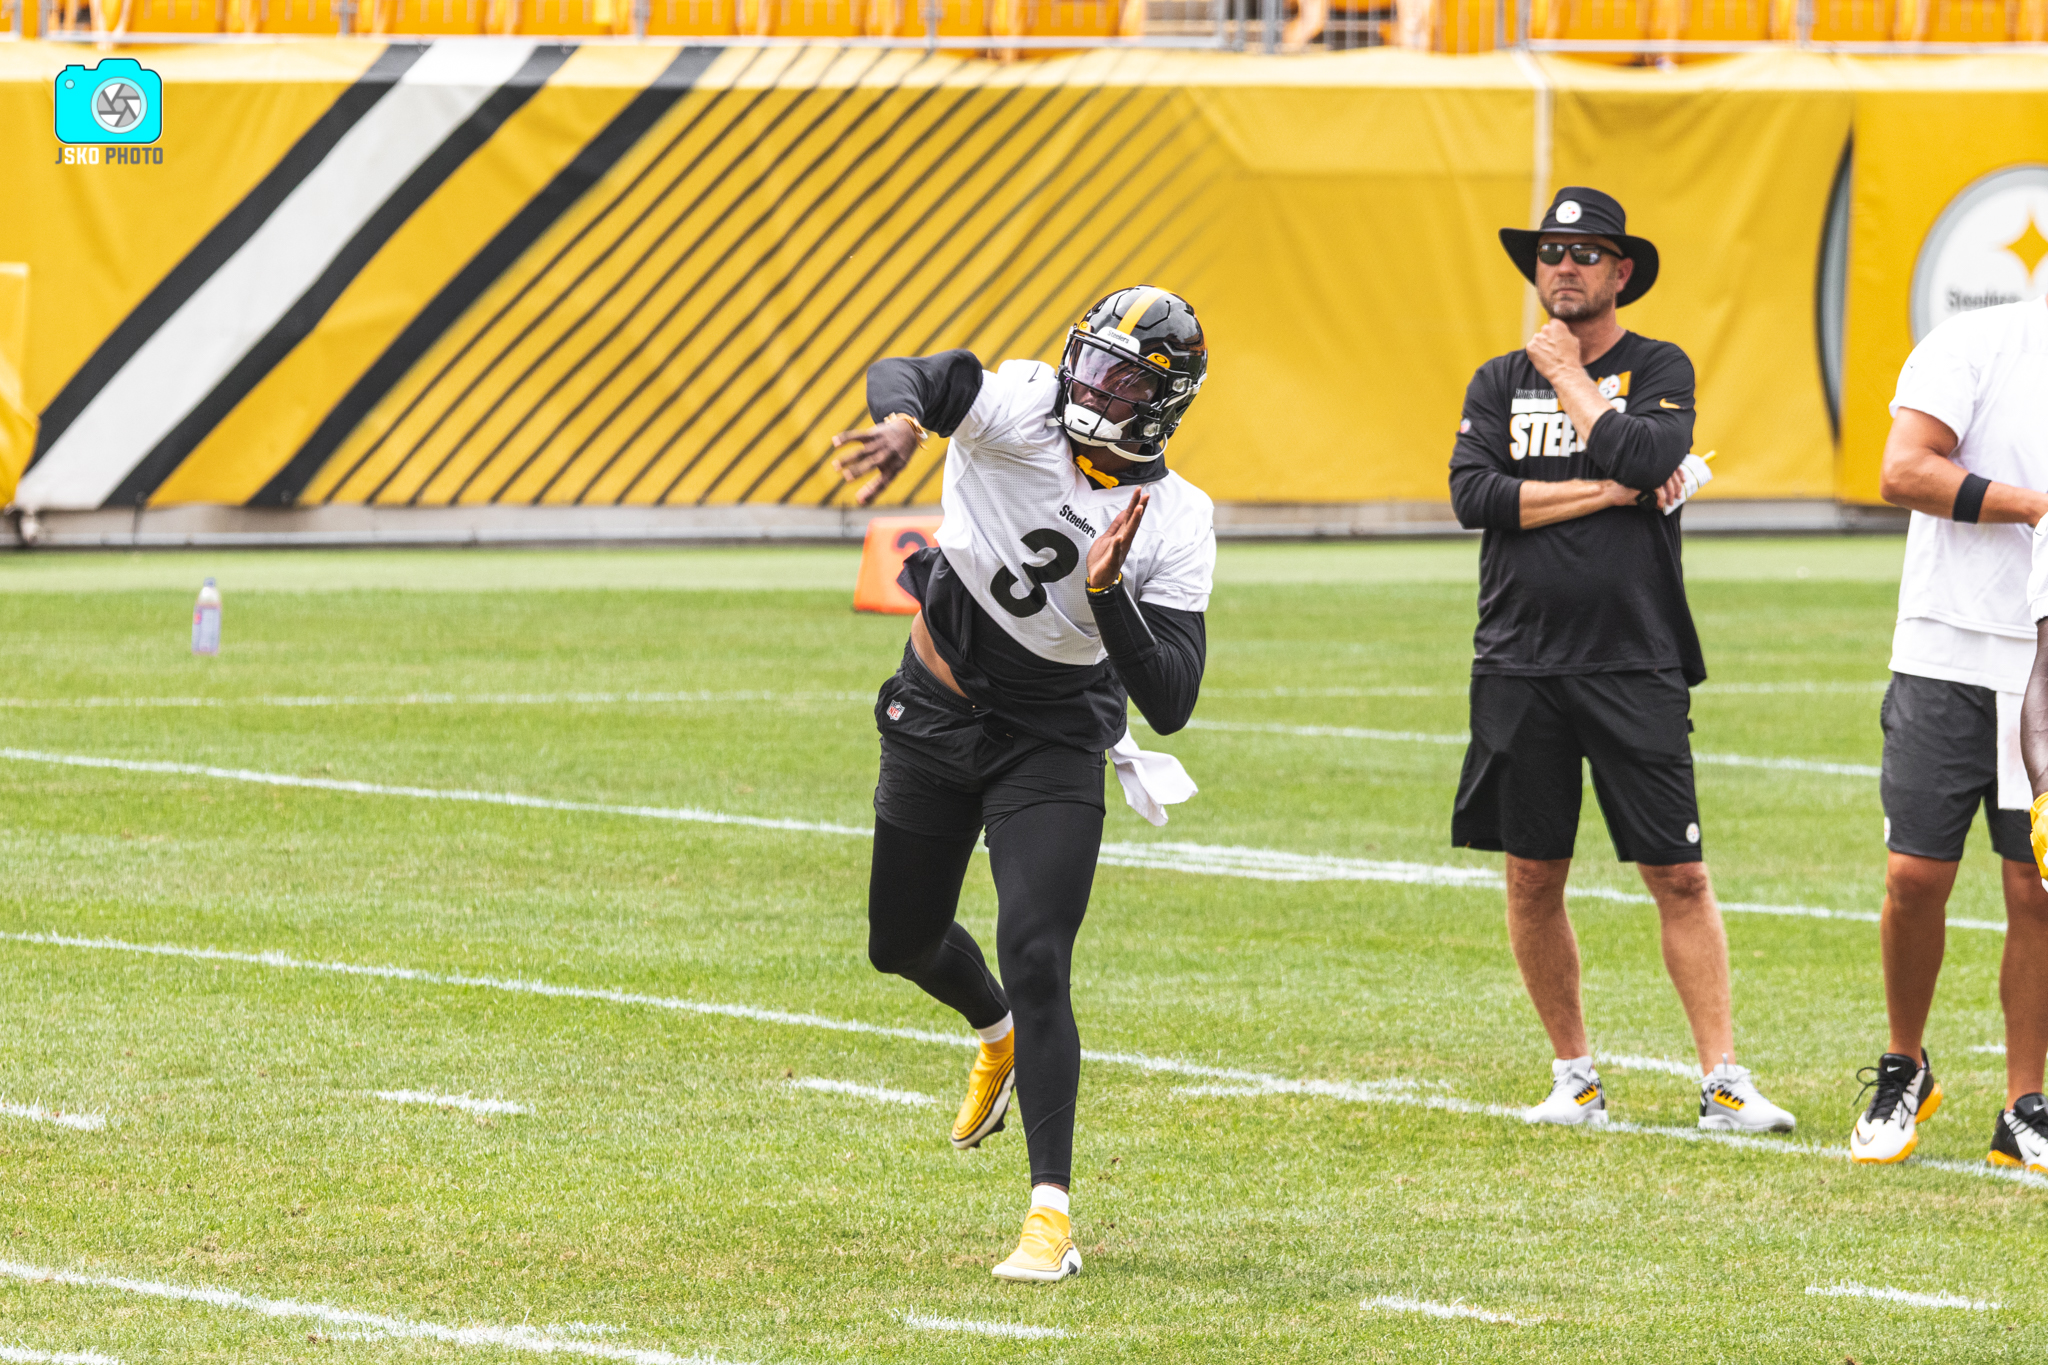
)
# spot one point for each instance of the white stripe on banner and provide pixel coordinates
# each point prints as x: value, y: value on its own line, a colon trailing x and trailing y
x: 210, y: 333
x: 1215, y: 860
x: 378, y: 1324
x: 1241, y: 1082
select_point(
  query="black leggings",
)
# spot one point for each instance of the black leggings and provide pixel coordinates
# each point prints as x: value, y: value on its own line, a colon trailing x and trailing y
x: 1043, y: 858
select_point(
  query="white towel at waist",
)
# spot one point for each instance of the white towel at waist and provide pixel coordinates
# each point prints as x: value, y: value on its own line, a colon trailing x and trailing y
x: 1151, y: 781
x: 2014, y: 791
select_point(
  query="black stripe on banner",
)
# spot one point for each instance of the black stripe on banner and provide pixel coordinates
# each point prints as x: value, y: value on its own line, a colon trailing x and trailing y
x: 783, y: 279
x: 575, y: 370
x: 484, y: 269
x: 224, y: 239
x: 878, y: 220
x: 770, y: 251
x: 305, y: 313
x: 449, y: 412
x: 605, y: 301
x: 1117, y: 187
x: 901, y: 246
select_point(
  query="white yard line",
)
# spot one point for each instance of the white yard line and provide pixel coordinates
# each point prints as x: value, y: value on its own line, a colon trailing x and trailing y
x: 1851, y: 1290
x: 84, y: 1123
x: 1390, y: 1304
x: 1237, y: 1081
x: 1216, y: 860
x: 1991, y: 1049
x: 427, y: 699
x: 987, y: 1329
x: 1623, y: 1061
x: 466, y: 1103
x: 28, y: 1354
x: 866, y: 1092
x: 520, y: 1338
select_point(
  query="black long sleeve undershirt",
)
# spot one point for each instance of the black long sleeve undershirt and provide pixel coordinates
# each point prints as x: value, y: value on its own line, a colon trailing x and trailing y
x: 1158, y: 653
x: 937, y: 389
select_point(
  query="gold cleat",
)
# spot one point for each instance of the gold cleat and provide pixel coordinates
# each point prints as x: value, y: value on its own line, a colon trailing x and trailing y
x: 988, y: 1092
x: 1046, y: 1251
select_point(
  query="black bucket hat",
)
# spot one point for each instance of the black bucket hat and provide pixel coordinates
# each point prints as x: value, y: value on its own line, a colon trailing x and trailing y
x: 1578, y: 209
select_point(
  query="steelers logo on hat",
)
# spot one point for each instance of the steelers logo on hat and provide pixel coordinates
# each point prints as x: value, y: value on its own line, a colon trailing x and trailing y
x: 1568, y: 211
x: 1584, y: 211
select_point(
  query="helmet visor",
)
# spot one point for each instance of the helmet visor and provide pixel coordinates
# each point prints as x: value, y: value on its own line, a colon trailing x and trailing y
x: 1112, y: 383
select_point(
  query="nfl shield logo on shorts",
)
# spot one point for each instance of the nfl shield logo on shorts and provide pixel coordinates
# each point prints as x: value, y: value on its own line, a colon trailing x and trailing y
x: 895, y: 710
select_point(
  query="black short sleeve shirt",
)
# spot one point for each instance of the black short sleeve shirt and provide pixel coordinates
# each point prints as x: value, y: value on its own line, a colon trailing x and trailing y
x: 1601, y: 593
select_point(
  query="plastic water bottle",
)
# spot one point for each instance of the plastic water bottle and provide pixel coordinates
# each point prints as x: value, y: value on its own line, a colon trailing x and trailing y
x: 206, y: 621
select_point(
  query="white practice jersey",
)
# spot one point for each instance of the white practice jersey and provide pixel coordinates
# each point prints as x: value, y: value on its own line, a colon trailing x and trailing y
x: 1021, y: 516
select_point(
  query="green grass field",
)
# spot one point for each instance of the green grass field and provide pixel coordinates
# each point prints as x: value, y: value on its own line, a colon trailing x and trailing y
x: 672, y: 1193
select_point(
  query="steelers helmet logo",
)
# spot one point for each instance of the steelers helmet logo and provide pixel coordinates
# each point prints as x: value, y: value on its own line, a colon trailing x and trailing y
x: 119, y: 105
x: 1568, y: 211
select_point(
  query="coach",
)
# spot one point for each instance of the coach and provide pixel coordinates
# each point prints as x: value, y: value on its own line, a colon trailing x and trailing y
x: 1571, y: 458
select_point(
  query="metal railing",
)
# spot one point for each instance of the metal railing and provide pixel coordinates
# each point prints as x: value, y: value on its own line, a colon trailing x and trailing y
x: 1616, y: 30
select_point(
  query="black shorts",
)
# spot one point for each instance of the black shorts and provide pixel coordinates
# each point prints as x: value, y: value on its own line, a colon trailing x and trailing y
x: 1521, y: 788
x: 1940, y: 764
x: 949, y: 768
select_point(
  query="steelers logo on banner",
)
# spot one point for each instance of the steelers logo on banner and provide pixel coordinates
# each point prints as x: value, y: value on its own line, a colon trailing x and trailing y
x: 1986, y: 248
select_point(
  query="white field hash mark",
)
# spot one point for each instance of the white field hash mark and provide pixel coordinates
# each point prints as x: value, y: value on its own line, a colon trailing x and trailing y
x: 29, y: 1354
x: 1851, y: 1290
x: 1393, y: 1304
x: 926, y: 1323
x: 376, y: 1325
x: 1257, y: 864
x: 866, y: 1092
x: 467, y: 1103
x: 84, y: 1123
x: 1238, y: 1080
x: 426, y: 699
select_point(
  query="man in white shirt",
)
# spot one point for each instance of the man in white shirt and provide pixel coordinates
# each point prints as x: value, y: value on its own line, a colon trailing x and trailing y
x: 1968, y: 453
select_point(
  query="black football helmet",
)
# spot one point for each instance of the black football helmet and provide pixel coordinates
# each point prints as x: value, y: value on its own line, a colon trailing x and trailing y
x: 1133, y: 364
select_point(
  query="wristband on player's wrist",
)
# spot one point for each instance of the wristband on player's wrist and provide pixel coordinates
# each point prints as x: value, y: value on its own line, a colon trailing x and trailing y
x: 1106, y: 587
x: 1970, y: 498
x: 915, y: 425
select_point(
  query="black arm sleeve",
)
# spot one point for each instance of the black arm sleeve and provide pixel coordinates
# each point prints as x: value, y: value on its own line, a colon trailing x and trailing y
x: 935, y: 389
x: 1641, y: 448
x: 1484, y: 496
x: 1158, y: 651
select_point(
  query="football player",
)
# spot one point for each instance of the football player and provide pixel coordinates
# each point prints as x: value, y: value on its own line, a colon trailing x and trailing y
x: 1071, y: 572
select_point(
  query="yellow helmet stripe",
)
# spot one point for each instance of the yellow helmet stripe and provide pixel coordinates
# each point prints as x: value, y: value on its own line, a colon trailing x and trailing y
x: 1137, y: 310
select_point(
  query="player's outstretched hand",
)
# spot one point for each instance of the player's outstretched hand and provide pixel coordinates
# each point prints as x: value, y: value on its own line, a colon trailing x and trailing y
x: 881, y: 450
x: 1106, y: 555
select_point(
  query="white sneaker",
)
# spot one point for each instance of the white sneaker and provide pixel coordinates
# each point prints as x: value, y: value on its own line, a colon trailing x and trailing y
x: 2021, y: 1137
x: 1907, y: 1096
x: 1575, y: 1095
x: 1731, y: 1103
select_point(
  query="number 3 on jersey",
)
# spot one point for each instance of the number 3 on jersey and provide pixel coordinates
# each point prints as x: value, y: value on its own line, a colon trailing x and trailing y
x: 1064, y: 558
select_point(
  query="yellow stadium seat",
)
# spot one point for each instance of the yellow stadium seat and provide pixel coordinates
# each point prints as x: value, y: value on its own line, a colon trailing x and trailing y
x: 176, y: 16
x: 689, y: 18
x: 425, y: 16
x: 321, y: 17
x: 1589, y: 20
x: 1853, y: 21
x: 568, y: 18
x: 1954, y: 21
x: 1711, y: 21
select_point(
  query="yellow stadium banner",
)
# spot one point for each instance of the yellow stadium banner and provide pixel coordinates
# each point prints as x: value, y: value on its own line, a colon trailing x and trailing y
x: 17, y: 422
x: 532, y: 273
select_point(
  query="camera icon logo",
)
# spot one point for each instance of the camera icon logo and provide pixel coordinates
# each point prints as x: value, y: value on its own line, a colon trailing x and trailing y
x: 118, y: 101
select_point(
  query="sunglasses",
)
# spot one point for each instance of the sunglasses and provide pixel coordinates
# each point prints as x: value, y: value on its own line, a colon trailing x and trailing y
x: 1583, y: 253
